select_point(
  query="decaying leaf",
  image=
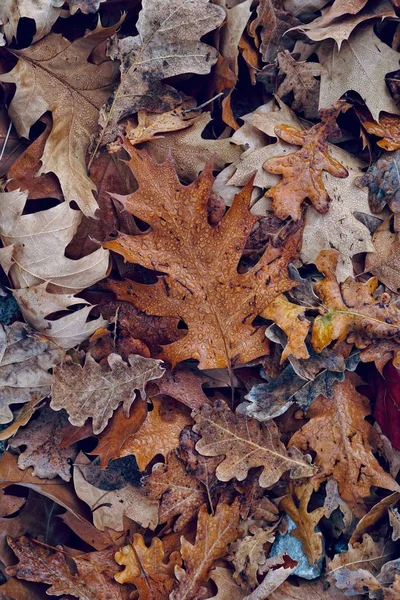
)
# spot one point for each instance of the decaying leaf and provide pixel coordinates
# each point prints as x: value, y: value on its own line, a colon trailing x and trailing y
x: 146, y: 568
x: 291, y: 319
x: 296, y: 506
x: 249, y: 553
x: 301, y: 80
x: 202, y: 286
x: 167, y: 44
x: 227, y: 588
x: 342, y: 440
x: 44, y: 12
x: 213, y: 534
x: 180, y: 493
x: 351, y: 312
x: 387, y: 128
x: 151, y: 124
x: 42, y: 439
x: 25, y: 361
x: 245, y: 444
x: 384, y: 262
x: 159, y: 433
x: 95, y: 391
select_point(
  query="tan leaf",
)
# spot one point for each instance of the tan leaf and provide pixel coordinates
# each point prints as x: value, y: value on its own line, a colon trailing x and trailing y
x: 296, y: 506
x: 25, y: 361
x: 45, y: 81
x: 384, y: 262
x: 300, y: 79
x: 180, y: 493
x: 340, y: 436
x: 85, y: 6
x: 214, y: 533
x: 110, y: 507
x: 377, y: 512
x: 42, y: 439
x: 308, y: 590
x: 167, y: 44
x: 191, y: 152
x: 227, y: 588
x: 245, y: 444
x: 249, y: 553
x: 146, y: 568
x: 360, y: 65
x: 159, y: 433
x: 202, y: 286
x: 394, y: 520
x: 151, y: 124
x: 95, y: 391
x: 291, y: 319
x: 44, y: 12
x: 279, y: 572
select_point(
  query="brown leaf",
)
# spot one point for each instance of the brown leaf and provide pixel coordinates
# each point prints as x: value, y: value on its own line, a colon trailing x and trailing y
x: 201, y: 286
x: 291, y: 319
x: 143, y: 62
x: 282, y: 568
x: 342, y: 440
x: 150, y: 124
x: 249, y: 553
x: 45, y: 81
x: 302, y: 171
x: 44, y: 14
x: 296, y: 506
x: 245, y: 444
x: 146, y: 568
x: 214, y: 533
x: 184, y: 386
x: 384, y: 262
x: 202, y: 467
x: 39, y: 563
x: 42, y: 439
x: 351, y: 312
x: 21, y: 418
x: 300, y: 79
x: 308, y: 590
x: 106, y: 386
x: 180, y: 493
x: 377, y: 512
x: 159, y: 433
x: 227, y: 588
x: 275, y: 22
x: 388, y: 128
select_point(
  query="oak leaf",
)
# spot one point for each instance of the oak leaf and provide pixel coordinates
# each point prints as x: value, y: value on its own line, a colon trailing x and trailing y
x: 95, y: 391
x: 45, y: 81
x: 291, y: 319
x: 245, y: 444
x: 353, y: 67
x: 44, y: 12
x: 167, y: 44
x: 150, y: 124
x: 384, y: 262
x: 213, y: 535
x: 248, y: 553
x: 25, y: 361
x: 145, y: 567
x: 227, y: 588
x: 342, y: 440
x: 301, y: 80
x: 202, y: 286
x: 296, y: 506
x: 180, y: 493
x: 42, y: 439
x: 308, y: 590
x: 159, y: 433
x: 40, y: 563
x: 302, y: 171
x: 109, y: 508
x: 85, y: 6
x: 387, y: 128
x: 350, y: 310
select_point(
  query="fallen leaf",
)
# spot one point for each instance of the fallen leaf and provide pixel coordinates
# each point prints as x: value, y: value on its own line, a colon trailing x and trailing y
x: 42, y: 439
x: 354, y: 68
x: 159, y: 433
x: 274, y: 578
x: 191, y: 152
x: 217, y: 304
x: 394, y: 520
x: 351, y: 311
x: 110, y: 507
x: 342, y: 440
x: 291, y: 319
x: 85, y: 6
x: 145, y: 567
x: 45, y: 81
x: 180, y: 493
x: 384, y: 262
x: 377, y: 512
x: 105, y: 386
x: 274, y: 22
x: 26, y: 358
x: 213, y: 534
x: 308, y: 590
x: 150, y: 124
x: 227, y: 588
x: 388, y: 128
x: 245, y: 444
x: 386, y: 410
x: 184, y: 386
x: 44, y: 12
x: 249, y: 553
x: 300, y: 78
x: 163, y: 31
x: 296, y: 506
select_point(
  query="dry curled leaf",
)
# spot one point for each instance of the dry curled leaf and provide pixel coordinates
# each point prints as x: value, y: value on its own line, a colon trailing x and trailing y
x: 150, y: 124
x: 146, y: 568
x: 245, y: 444
x: 180, y: 493
x: 202, y: 286
x: 249, y: 553
x: 387, y: 128
x: 167, y: 44
x: 213, y: 534
x: 291, y: 319
x: 95, y: 391
x: 342, y: 439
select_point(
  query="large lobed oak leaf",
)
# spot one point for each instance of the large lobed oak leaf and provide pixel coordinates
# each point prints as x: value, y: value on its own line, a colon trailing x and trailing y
x: 55, y: 74
x: 214, y: 533
x: 343, y: 442
x: 96, y: 391
x: 245, y: 444
x: 202, y: 285
x: 167, y: 44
